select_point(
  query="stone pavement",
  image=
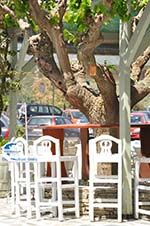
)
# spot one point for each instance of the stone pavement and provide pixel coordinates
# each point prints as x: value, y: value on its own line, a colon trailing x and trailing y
x: 7, y: 219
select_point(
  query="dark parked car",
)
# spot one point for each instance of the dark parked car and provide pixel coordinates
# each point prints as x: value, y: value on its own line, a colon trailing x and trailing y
x: 37, y: 109
x: 36, y: 123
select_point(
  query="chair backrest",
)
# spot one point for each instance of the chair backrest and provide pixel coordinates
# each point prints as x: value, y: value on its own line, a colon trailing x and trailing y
x: 16, y: 148
x: 21, y: 146
x: 43, y: 146
x: 104, y: 149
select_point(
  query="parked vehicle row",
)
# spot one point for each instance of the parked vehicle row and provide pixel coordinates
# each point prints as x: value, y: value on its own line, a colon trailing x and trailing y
x: 36, y: 124
x: 40, y: 115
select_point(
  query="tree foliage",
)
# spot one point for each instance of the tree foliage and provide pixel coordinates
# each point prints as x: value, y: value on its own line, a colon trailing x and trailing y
x: 59, y: 22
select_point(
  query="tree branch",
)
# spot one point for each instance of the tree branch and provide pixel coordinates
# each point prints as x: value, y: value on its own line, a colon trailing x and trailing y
x: 140, y: 90
x: 42, y: 48
x: 139, y: 64
x: 90, y: 41
x: 93, y: 37
x: 54, y: 33
x: 62, y: 5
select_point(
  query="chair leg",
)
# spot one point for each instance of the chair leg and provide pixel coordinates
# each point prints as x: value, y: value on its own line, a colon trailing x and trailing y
x: 28, y: 190
x: 37, y: 192
x: 17, y: 207
x: 119, y: 202
x: 13, y: 202
x: 54, y: 188
x: 136, y: 191
x: 77, y: 206
x: 59, y: 193
x: 119, y: 194
x: 91, y: 202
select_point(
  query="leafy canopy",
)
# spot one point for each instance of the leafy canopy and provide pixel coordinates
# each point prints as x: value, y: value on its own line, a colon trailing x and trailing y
x: 77, y: 12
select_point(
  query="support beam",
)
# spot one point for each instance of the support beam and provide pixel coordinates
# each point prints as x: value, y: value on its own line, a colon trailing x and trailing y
x: 29, y: 66
x: 144, y: 45
x: 22, y: 53
x: 124, y: 93
x: 138, y: 35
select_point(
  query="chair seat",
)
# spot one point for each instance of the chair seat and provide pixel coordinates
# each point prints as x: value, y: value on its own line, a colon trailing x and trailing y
x: 106, y: 205
x: 106, y: 179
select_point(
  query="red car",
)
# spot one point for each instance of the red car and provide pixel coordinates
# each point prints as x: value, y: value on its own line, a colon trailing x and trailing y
x: 75, y: 115
x: 138, y: 117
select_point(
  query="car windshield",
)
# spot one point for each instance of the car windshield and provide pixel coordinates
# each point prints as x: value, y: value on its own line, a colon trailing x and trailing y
x: 135, y: 119
x: 77, y: 114
x: 84, y: 119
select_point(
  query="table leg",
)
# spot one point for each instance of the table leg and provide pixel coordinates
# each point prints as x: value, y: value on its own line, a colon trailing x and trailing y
x: 145, y: 145
x: 84, y: 136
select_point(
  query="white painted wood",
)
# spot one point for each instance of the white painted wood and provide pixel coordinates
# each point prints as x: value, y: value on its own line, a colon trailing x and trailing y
x: 138, y: 35
x: 100, y: 151
x: 22, y: 53
x: 141, y: 185
x: 124, y: 107
x: 20, y: 176
x: 43, y: 153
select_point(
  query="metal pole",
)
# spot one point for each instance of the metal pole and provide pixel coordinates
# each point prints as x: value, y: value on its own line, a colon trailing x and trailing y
x: 53, y: 91
x: 26, y: 122
x: 13, y: 94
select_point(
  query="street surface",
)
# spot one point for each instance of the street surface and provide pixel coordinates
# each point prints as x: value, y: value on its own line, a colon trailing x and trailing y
x: 7, y: 219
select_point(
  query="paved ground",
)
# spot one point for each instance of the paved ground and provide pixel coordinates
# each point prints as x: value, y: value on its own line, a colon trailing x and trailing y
x: 7, y: 219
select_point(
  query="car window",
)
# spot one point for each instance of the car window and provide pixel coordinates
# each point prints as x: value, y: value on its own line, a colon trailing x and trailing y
x: 43, y: 109
x: 59, y: 121
x: 84, y: 119
x: 148, y: 114
x: 67, y: 121
x: 33, y: 108
x: 77, y: 114
x: 68, y: 115
x: 55, y: 110
x: 40, y: 121
x: 1, y: 124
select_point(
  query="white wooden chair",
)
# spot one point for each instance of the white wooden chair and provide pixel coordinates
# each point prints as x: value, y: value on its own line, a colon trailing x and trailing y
x: 6, y: 155
x: 23, y: 177
x: 18, y: 158
x: 141, y: 188
x: 100, y: 151
x: 55, y: 204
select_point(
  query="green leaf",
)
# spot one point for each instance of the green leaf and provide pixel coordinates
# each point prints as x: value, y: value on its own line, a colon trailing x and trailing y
x: 9, y: 21
x: 68, y: 36
x: 21, y: 8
